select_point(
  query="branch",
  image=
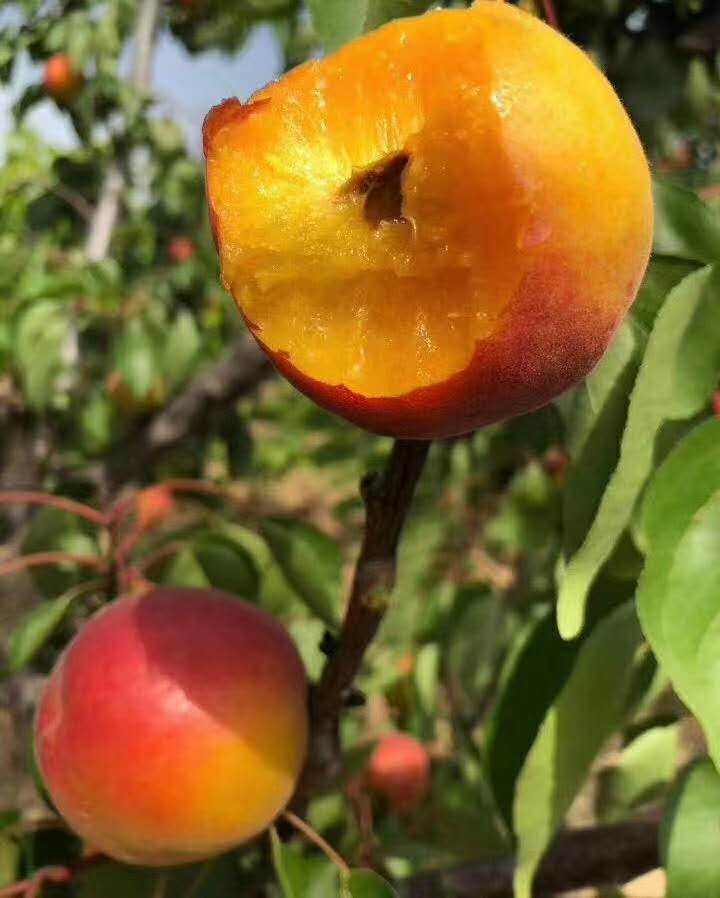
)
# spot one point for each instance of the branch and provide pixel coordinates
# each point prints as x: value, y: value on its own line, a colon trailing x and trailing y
x: 387, y: 499
x: 238, y: 372
x: 600, y: 856
x: 551, y: 14
x: 105, y: 215
x: 44, y: 559
x: 31, y: 497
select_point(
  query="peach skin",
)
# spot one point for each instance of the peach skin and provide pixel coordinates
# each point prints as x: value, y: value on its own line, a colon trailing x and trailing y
x: 437, y: 227
x: 174, y: 726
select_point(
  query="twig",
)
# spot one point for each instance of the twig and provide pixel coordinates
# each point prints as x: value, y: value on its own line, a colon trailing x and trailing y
x: 600, y: 856
x: 31, y: 497
x: 43, y: 559
x: 316, y: 839
x: 551, y: 14
x: 105, y: 215
x: 387, y: 499
x: 32, y: 888
x: 212, y: 390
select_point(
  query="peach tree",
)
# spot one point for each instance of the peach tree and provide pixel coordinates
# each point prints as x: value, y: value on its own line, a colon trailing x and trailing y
x: 507, y: 632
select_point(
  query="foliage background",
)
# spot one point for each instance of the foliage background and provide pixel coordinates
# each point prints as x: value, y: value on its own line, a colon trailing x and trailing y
x: 121, y: 367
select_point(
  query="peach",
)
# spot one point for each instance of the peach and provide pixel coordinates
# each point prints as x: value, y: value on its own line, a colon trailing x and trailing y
x: 61, y: 78
x: 716, y: 403
x: 400, y: 770
x: 153, y: 505
x: 181, y: 249
x: 437, y: 227
x: 174, y: 726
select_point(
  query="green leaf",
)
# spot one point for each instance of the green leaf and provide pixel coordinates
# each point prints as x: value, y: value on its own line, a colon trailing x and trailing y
x: 9, y: 860
x: 311, y: 563
x: 685, y: 226
x: 426, y: 675
x: 594, y: 432
x: 42, y: 334
x: 472, y: 645
x: 227, y: 565
x: 667, y: 510
x: 53, y: 530
x: 679, y: 607
x: 35, y: 629
x: 215, y: 560
x: 135, y: 358
x: 113, y: 880
x: 366, y: 884
x: 587, y: 711
x: 691, y: 835
x: 532, y: 679
x: 301, y: 876
x: 676, y: 376
x: 181, y: 348
x: 645, y: 767
x: 336, y: 23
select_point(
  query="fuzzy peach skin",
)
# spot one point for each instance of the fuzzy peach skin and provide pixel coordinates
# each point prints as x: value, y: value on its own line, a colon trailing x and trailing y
x: 494, y: 279
x: 174, y: 726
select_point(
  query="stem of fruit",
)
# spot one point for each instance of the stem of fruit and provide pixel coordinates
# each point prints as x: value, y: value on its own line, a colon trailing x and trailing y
x: 30, y: 497
x: 301, y: 826
x: 387, y: 497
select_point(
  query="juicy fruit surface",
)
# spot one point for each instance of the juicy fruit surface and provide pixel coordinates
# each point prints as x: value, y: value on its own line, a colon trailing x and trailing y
x: 387, y: 216
x: 174, y: 726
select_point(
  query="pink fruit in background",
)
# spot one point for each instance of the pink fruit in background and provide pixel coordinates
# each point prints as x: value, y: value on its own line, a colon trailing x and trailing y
x: 400, y: 770
x: 174, y: 726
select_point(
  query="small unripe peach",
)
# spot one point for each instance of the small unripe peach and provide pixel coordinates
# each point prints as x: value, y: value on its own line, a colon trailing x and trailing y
x: 153, y: 505
x: 181, y: 249
x: 61, y: 78
x: 174, y: 726
x: 400, y: 770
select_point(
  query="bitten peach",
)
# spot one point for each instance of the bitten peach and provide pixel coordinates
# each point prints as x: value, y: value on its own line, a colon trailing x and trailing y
x: 400, y: 770
x: 437, y: 227
x: 62, y: 80
x: 174, y: 726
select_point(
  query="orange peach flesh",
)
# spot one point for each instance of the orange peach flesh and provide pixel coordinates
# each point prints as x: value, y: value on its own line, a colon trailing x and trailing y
x: 174, y: 727
x: 512, y: 156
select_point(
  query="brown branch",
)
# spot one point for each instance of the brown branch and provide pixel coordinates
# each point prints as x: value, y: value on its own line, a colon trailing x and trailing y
x: 600, y: 856
x: 387, y: 499
x: 105, y: 216
x: 551, y: 14
x: 235, y: 374
x: 31, y: 497
x: 44, y: 559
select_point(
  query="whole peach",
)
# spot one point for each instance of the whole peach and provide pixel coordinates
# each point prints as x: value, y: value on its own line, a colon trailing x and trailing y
x: 437, y: 227
x: 61, y: 78
x: 174, y: 726
x: 400, y: 770
x: 153, y: 505
x: 181, y: 249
